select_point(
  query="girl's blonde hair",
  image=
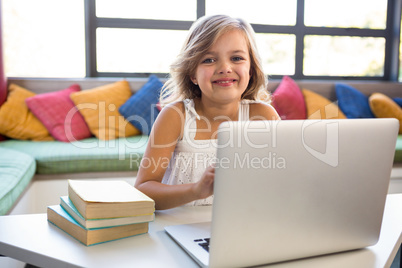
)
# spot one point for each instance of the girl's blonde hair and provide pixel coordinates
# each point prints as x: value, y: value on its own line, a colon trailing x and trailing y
x: 202, y: 35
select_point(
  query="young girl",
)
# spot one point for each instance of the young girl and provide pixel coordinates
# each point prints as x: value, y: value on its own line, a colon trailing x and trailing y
x: 217, y: 77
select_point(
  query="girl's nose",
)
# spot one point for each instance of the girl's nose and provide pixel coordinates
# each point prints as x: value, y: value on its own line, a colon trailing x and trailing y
x: 224, y: 68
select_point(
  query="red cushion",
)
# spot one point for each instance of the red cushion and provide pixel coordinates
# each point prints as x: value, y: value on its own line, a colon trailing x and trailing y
x: 288, y: 100
x: 59, y: 115
x: 3, y: 79
x: 3, y: 87
x: 3, y: 90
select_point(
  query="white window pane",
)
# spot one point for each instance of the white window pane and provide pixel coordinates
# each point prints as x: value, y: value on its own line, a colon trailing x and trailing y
x: 43, y: 38
x: 272, y: 12
x: 344, y: 56
x: 137, y: 50
x: 277, y: 52
x: 149, y: 9
x: 346, y: 13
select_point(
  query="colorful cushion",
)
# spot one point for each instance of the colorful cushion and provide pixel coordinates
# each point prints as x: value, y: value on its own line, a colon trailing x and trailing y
x: 384, y: 107
x: 319, y: 107
x: 59, y: 115
x: 141, y: 109
x: 398, y: 101
x: 288, y: 100
x: 3, y: 88
x: 3, y: 79
x: 99, y: 107
x: 17, y: 121
x: 17, y: 170
x: 352, y: 102
x: 398, y: 150
x: 87, y: 155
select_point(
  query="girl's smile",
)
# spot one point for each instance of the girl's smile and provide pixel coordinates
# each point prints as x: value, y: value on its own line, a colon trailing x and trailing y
x: 225, y: 82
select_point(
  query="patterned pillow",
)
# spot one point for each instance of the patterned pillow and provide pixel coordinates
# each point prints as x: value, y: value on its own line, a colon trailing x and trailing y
x: 398, y: 101
x: 17, y: 121
x: 141, y: 109
x: 352, y: 102
x: 58, y: 114
x: 288, y: 100
x: 99, y: 107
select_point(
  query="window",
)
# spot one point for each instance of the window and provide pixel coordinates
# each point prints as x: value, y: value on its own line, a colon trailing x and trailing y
x: 346, y: 14
x: 182, y: 10
x: 267, y: 12
x: 136, y: 50
x: 306, y: 39
x: 343, y: 56
x: 43, y: 38
x: 277, y: 52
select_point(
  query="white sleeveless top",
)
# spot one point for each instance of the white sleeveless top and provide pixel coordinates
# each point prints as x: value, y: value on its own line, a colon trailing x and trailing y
x: 191, y: 157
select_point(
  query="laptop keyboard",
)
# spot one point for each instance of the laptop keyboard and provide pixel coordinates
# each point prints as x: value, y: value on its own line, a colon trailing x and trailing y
x: 204, y: 243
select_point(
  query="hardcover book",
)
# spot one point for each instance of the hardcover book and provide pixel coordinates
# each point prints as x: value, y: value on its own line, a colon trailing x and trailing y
x: 108, y: 199
x: 66, y: 203
x: 59, y: 217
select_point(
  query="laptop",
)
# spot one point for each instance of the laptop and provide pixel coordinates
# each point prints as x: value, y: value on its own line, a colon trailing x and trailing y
x: 293, y: 189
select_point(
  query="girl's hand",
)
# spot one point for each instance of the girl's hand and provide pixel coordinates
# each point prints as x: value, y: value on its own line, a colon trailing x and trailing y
x: 205, y: 186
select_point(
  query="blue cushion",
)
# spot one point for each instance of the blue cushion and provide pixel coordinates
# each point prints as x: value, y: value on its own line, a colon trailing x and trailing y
x: 352, y: 102
x: 398, y: 100
x: 140, y: 109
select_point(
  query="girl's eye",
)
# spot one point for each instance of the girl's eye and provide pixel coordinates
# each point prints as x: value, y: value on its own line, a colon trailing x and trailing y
x: 208, y: 61
x: 237, y: 58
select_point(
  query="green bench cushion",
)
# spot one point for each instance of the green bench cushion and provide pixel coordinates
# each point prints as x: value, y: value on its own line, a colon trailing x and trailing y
x: 16, y: 171
x: 398, y: 151
x: 88, y: 155
x: 93, y: 155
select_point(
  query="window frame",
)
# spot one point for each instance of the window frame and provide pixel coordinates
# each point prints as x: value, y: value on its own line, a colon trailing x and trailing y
x: 391, y: 34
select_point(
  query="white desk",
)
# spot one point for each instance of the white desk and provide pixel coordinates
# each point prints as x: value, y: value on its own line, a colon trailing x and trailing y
x: 31, y: 239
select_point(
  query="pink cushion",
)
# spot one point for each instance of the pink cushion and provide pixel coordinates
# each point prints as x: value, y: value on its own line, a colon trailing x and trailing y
x: 3, y: 87
x: 3, y: 91
x: 288, y: 100
x: 59, y: 115
x: 3, y: 80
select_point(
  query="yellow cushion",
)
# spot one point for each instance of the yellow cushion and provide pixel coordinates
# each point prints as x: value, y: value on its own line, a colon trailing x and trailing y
x: 319, y: 107
x: 17, y: 121
x: 100, y: 108
x: 383, y: 106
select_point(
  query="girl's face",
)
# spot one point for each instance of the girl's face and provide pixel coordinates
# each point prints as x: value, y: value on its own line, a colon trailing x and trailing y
x: 223, y: 73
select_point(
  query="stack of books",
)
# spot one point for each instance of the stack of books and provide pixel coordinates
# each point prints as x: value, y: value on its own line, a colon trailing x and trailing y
x: 100, y: 211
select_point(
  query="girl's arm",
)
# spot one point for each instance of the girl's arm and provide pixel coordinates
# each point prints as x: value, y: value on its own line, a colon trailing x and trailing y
x: 165, y: 133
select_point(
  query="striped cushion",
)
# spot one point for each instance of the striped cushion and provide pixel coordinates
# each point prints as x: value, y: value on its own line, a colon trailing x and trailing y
x: 88, y: 155
x: 16, y: 171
